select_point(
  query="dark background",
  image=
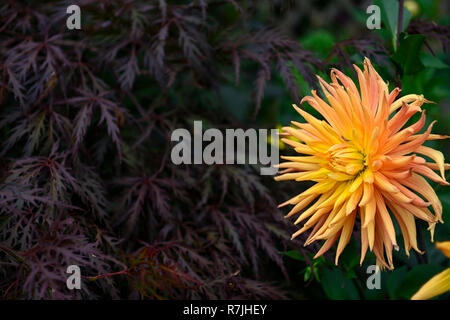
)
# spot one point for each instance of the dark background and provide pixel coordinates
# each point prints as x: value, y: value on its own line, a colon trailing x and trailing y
x: 85, y: 123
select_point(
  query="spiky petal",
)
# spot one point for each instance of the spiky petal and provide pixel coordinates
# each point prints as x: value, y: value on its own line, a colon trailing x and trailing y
x: 437, y: 285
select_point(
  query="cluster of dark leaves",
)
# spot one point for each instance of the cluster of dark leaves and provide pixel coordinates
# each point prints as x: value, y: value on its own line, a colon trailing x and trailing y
x: 85, y: 176
x: 368, y: 46
x: 432, y: 30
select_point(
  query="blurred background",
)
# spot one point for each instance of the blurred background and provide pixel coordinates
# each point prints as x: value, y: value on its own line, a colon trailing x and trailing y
x: 85, y: 123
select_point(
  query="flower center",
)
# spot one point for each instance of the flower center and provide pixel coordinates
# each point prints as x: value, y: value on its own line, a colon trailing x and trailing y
x: 345, y: 158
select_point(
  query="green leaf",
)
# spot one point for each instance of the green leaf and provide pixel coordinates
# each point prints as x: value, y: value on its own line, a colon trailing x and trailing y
x: 395, y: 279
x: 294, y: 254
x: 430, y: 61
x: 389, y: 15
x: 316, y: 273
x: 408, y: 53
x: 349, y: 258
x: 307, y: 274
x: 320, y: 41
x: 350, y: 274
x: 415, y: 278
x: 336, y: 286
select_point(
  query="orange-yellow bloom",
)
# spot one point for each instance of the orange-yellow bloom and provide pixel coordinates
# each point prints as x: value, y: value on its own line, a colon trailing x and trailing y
x: 440, y: 283
x: 444, y: 247
x: 367, y: 164
x: 437, y: 285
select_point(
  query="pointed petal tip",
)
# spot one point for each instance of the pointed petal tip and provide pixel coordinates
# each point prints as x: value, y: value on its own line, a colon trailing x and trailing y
x: 429, y: 101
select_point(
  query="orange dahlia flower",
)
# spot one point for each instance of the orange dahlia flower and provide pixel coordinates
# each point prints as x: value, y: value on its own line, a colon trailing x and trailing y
x: 366, y: 164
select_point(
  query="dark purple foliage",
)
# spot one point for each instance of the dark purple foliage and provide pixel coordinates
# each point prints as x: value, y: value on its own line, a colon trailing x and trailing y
x: 85, y: 177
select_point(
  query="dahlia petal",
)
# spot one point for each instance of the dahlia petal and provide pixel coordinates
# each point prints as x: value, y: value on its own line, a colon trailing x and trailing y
x: 293, y: 200
x: 286, y: 170
x: 342, y: 198
x: 336, y: 122
x: 320, y: 187
x: 395, y: 162
x: 326, y: 246
x: 421, y: 186
x: 399, y: 197
x: 325, y: 225
x: 353, y: 168
x: 313, y: 218
x: 379, y: 245
x: 416, y: 199
x: 298, y: 145
x: 339, y: 218
x: 317, y: 226
x: 326, y: 88
x: 368, y: 176
x: 444, y: 247
x: 307, y: 159
x: 427, y: 172
x: 401, y: 136
x: 288, y: 176
x: 398, y: 175
x: 409, y: 225
x: 437, y: 137
x: 382, y: 111
x: 373, y: 90
x: 401, y: 117
x: 384, y: 184
x: 431, y: 227
x: 324, y: 109
x: 300, y: 166
x: 341, y: 112
x: 437, y: 285
x: 370, y: 210
x: 339, y: 176
x: 352, y: 203
x: 435, y: 166
x: 364, y: 244
x: 385, y: 218
x: 345, y: 236
x: 344, y: 99
x: 419, y: 212
x: 298, y: 232
x: 415, y: 143
x: 300, y: 134
x: 363, y: 86
x: 406, y: 99
x: 337, y: 192
x: 346, y: 81
x: 356, y: 183
x: 301, y: 205
x: 371, y: 233
x: 312, y: 209
x: 436, y: 155
x: 394, y: 93
x: 368, y: 194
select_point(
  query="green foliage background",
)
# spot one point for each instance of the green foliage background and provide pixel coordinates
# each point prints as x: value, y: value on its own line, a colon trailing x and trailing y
x: 416, y: 64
